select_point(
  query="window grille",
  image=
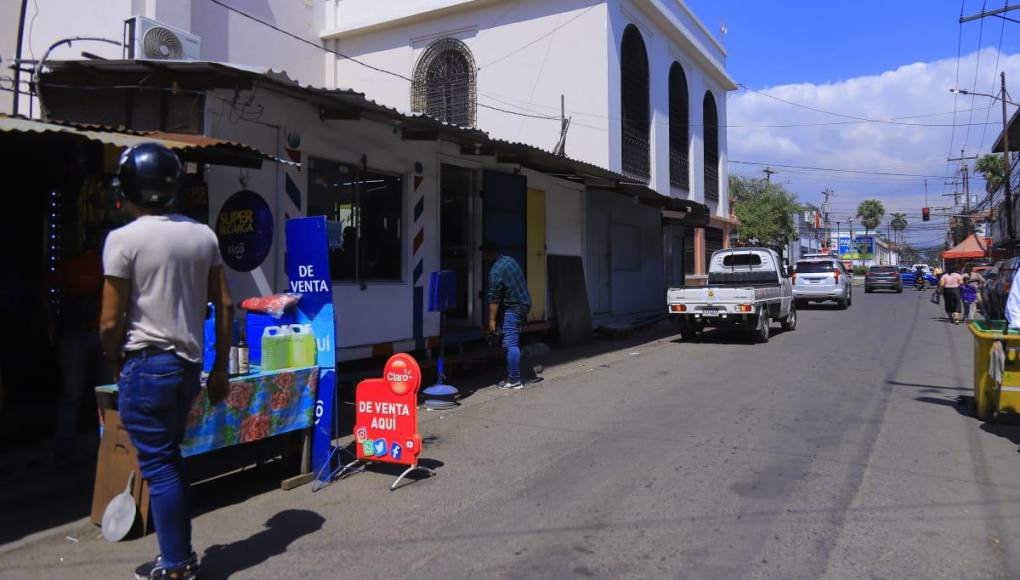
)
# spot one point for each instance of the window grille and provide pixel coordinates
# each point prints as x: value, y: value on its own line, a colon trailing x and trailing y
x: 679, y: 162
x: 711, y: 124
x: 444, y: 83
x: 634, y: 104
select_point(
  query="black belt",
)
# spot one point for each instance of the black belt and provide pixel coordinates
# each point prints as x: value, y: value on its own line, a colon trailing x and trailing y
x: 145, y: 352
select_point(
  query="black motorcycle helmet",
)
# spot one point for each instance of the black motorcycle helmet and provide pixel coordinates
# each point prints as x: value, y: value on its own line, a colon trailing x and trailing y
x: 150, y: 175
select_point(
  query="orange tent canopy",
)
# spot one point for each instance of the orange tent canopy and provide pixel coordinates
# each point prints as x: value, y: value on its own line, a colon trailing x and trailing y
x: 969, y: 248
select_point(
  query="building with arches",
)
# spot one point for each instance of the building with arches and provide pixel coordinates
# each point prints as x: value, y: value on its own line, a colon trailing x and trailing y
x: 643, y: 82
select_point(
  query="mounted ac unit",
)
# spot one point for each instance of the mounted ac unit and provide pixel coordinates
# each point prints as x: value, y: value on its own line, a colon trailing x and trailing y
x: 147, y: 39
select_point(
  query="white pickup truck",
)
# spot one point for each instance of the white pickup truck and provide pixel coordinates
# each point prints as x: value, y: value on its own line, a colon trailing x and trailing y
x: 746, y: 287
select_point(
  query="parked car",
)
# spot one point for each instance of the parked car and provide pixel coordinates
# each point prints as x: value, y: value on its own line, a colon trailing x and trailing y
x: 747, y: 287
x: 822, y: 280
x: 998, y: 281
x: 882, y: 277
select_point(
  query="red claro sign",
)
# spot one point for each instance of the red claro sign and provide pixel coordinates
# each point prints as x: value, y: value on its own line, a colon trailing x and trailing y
x: 386, y: 422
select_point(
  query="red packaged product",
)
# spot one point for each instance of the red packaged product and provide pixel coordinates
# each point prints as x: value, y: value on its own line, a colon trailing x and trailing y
x: 274, y: 305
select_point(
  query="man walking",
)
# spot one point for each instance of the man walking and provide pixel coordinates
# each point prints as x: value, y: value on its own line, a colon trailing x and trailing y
x: 509, y: 291
x: 160, y: 272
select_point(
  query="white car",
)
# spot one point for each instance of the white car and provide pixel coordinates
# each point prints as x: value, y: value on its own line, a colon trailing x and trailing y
x: 821, y: 280
x: 925, y: 267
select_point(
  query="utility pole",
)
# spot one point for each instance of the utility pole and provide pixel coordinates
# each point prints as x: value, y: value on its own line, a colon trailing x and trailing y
x: 965, y: 169
x: 853, y: 248
x: 768, y: 171
x: 1010, y: 226
x: 825, y: 212
x: 561, y: 145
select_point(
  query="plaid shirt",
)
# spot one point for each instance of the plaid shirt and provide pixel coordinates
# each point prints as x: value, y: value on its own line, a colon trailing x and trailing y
x: 507, y: 285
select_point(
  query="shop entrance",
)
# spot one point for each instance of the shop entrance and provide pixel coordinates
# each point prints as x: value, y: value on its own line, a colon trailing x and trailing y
x: 456, y: 247
x: 504, y: 218
x: 536, y: 271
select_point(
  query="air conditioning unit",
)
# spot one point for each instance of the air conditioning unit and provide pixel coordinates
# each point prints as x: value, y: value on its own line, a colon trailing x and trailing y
x: 147, y: 39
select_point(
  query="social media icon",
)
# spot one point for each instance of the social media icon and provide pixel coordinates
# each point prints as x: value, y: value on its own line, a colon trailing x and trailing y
x: 396, y: 451
x: 380, y: 447
x: 367, y: 448
x: 362, y: 434
x: 410, y: 444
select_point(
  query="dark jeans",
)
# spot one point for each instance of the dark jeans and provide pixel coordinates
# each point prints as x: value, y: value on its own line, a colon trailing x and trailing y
x: 156, y: 392
x: 512, y: 344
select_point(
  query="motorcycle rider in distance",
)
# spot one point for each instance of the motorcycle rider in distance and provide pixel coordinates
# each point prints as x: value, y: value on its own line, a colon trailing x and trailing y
x: 919, y: 279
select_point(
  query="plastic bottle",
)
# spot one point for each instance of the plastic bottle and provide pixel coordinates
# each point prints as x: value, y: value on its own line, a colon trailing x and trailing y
x: 302, y: 345
x: 275, y: 348
x: 232, y: 362
x: 243, y: 357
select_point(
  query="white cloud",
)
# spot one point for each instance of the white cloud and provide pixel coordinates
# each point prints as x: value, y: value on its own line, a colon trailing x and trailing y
x: 910, y: 90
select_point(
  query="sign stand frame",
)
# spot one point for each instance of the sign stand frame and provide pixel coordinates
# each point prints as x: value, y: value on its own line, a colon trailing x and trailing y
x: 415, y: 467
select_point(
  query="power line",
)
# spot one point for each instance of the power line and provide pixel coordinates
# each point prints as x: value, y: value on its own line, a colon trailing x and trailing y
x: 539, y: 39
x: 845, y: 115
x: 838, y: 170
x: 977, y: 69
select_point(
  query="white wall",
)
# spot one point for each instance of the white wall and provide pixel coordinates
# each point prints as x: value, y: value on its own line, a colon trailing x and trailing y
x: 226, y: 36
x: 569, y: 62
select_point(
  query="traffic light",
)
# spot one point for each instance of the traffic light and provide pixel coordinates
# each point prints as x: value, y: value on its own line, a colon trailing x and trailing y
x: 925, y: 214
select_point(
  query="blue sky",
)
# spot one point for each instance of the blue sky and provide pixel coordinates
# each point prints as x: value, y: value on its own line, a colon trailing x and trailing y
x: 817, y: 41
x: 890, y: 63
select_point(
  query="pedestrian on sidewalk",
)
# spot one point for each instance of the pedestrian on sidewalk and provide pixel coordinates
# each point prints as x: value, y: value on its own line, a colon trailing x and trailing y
x: 161, y: 270
x: 950, y: 285
x: 508, y: 291
x: 969, y: 297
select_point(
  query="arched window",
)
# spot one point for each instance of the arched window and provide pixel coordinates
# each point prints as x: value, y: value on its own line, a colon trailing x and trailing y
x: 634, y: 104
x: 444, y: 83
x: 679, y: 162
x: 711, y: 124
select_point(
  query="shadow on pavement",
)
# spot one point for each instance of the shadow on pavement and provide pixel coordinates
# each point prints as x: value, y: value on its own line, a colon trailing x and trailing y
x: 929, y: 388
x: 221, y: 561
x: 1008, y: 430
x: 960, y: 404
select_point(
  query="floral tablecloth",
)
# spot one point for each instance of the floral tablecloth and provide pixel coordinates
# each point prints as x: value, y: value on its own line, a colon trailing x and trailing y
x: 258, y: 406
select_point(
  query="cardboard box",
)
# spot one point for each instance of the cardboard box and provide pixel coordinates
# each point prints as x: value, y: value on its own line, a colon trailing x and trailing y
x: 117, y: 459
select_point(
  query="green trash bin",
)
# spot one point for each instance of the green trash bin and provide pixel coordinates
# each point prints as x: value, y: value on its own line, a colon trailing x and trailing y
x: 989, y: 397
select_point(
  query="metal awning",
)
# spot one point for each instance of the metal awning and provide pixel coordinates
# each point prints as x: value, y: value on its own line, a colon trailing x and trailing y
x: 685, y: 212
x: 349, y: 105
x: 1014, y: 134
x: 195, y: 148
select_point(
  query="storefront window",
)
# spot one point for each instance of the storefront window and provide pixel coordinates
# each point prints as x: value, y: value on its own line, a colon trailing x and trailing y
x: 364, y: 213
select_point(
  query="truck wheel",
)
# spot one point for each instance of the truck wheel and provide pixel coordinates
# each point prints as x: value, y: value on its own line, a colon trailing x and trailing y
x: 689, y: 330
x: 790, y: 323
x: 762, y: 332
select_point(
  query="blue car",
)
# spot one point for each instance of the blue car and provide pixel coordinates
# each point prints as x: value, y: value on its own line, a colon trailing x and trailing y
x: 907, y: 275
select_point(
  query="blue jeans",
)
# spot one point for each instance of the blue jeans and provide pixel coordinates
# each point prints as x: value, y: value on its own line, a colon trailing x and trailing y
x: 156, y: 392
x: 512, y: 344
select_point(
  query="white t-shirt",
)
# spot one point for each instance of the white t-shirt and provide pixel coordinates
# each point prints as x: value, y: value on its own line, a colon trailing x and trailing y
x: 1013, y: 303
x: 166, y: 259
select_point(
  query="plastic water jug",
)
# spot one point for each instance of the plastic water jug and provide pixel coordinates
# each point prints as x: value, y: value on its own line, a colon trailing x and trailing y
x: 276, y: 348
x: 302, y: 345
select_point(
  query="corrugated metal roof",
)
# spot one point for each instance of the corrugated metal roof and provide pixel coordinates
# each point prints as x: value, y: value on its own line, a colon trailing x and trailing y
x: 205, y: 148
x: 467, y: 137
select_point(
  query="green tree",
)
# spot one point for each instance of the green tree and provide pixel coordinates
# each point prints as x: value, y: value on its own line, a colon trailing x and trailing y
x: 766, y: 211
x: 993, y: 168
x: 898, y: 223
x: 870, y: 211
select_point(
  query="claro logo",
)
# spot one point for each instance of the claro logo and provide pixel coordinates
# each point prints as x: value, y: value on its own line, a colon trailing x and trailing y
x: 402, y: 374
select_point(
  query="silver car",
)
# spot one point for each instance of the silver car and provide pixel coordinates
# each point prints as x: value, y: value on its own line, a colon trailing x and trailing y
x: 822, y: 280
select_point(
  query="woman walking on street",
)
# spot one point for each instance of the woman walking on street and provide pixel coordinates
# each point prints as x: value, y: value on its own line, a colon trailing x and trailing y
x: 950, y: 284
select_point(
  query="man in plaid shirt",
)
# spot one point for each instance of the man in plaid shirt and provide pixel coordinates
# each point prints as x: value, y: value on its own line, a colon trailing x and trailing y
x: 509, y: 290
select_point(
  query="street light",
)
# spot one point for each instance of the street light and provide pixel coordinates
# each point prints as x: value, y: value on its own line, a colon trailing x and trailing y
x: 1002, y: 96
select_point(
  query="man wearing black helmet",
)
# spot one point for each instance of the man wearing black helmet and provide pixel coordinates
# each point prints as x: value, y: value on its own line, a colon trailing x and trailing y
x: 160, y: 272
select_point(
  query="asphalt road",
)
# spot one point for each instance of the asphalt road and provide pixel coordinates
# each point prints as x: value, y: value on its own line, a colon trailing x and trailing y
x: 835, y: 451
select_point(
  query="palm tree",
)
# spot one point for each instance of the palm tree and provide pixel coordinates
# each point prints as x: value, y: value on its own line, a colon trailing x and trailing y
x: 992, y: 167
x: 870, y: 212
x: 898, y: 223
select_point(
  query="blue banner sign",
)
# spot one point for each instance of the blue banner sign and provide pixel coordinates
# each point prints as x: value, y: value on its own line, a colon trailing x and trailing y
x: 308, y: 273
x: 862, y: 248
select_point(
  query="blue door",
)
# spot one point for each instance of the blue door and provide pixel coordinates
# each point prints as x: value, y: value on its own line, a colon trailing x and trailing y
x: 504, y: 216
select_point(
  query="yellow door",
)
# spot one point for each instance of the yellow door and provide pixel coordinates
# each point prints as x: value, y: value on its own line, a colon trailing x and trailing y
x: 536, y: 253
